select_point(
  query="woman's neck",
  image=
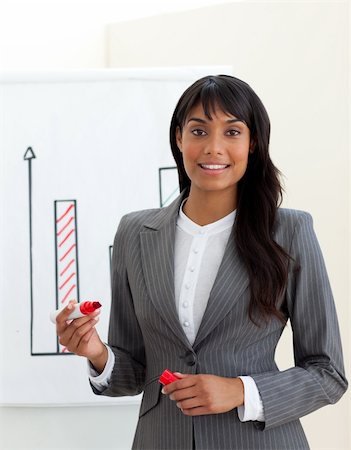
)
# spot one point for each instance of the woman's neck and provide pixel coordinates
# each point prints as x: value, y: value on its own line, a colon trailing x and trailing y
x: 208, y: 207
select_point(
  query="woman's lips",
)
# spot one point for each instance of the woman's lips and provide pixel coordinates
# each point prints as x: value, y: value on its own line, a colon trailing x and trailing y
x: 214, y: 169
x: 213, y: 166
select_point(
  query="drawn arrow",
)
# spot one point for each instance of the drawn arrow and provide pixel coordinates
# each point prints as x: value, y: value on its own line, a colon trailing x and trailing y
x: 28, y: 156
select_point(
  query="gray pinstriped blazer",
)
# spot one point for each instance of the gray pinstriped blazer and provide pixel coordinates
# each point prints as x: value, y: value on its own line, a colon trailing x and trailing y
x: 146, y: 337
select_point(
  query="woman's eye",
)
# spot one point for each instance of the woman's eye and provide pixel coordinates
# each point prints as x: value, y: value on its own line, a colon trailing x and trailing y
x: 198, y: 132
x: 233, y: 132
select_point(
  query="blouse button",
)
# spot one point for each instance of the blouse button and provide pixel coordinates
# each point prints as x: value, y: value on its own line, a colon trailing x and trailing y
x: 192, y: 268
x: 187, y: 286
x: 185, y: 304
x: 196, y: 250
x: 186, y: 323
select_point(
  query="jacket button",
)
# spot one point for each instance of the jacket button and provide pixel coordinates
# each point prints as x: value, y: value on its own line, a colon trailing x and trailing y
x: 189, y: 358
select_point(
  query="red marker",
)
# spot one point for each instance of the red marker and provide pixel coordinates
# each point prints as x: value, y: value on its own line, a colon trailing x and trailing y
x: 168, y: 377
x: 79, y: 310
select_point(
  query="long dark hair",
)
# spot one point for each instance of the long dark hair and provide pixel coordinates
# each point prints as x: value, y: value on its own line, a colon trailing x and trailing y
x: 259, y: 190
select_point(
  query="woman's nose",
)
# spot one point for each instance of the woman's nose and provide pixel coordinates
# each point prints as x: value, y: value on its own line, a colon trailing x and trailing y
x: 215, y: 145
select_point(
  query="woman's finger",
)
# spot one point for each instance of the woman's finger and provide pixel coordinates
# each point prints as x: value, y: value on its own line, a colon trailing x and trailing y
x: 76, y: 331
x: 67, y: 331
x: 182, y: 394
x: 85, y: 341
x: 62, y: 317
x: 189, y: 403
x: 184, y: 383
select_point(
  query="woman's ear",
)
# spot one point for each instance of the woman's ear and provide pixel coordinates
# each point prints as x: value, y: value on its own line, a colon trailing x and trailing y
x: 252, y: 145
x: 179, y: 138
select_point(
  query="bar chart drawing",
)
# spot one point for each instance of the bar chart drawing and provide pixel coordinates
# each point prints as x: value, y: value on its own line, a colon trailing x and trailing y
x: 168, y: 185
x: 66, y: 250
x: 66, y: 262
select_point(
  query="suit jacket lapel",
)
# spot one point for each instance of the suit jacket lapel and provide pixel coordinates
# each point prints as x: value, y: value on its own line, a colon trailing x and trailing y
x: 157, y: 252
x: 231, y: 281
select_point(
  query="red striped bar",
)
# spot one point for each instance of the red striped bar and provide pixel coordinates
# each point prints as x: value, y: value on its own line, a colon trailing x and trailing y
x: 67, y: 280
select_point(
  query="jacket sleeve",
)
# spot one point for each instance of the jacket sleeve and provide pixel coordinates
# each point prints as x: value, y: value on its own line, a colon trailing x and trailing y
x: 124, y: 338
x: 317, y: 379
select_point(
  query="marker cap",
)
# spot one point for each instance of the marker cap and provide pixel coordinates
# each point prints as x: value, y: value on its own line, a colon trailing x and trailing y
x: 167, y: 377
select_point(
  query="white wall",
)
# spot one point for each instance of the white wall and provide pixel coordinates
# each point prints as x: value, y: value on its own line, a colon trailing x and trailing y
x: 69, y: 34
x: 294, y: 54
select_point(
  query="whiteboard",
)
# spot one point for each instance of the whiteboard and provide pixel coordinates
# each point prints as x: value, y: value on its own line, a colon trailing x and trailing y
x: 78, y: 151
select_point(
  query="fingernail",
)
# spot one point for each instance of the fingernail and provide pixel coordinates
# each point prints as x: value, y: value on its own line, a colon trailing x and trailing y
x: 163, y: 391
x: 70, y: 306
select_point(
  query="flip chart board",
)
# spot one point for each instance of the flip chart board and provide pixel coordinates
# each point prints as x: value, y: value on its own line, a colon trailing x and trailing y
x: 78, y: 151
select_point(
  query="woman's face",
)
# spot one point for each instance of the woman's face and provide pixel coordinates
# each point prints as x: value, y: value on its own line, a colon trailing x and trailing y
x: 215, y: 152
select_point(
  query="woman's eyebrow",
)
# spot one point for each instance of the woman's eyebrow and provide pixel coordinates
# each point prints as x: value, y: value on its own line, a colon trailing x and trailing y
x: 197, y: 119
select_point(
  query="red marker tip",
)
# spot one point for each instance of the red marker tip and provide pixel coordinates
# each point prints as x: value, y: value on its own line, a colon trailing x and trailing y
x: 97, y: 305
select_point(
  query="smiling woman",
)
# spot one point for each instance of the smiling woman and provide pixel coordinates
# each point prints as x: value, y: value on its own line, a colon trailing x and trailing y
x: 205, y: 286
x: 249, y: 184
x: 215, y: 156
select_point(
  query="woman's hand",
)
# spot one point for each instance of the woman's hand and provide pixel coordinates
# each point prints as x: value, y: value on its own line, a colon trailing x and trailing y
x: 205, y: 394
x: 79, y: 336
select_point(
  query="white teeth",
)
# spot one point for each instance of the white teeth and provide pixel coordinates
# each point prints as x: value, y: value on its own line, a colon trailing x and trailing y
x: 213, y: 166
